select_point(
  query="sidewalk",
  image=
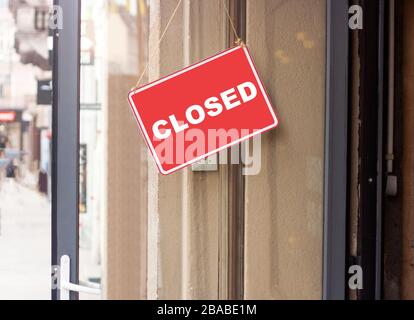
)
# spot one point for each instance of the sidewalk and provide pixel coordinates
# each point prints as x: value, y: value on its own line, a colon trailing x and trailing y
x: 25, y: 260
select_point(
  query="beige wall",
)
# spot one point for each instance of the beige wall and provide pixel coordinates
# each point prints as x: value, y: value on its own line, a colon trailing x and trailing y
x: 127, y: 179
x: 284, y: 212
x: 125, y: 242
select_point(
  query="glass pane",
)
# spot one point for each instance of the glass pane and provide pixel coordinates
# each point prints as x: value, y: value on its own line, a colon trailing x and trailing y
x: 90, y: 141
x: 25, y: 141
x: 113, y: 52
x: 144, y: 235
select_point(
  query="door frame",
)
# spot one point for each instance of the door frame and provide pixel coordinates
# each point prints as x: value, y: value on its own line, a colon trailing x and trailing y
x: 336, y: 150
x: 65, y: 141
x: 337, y: 169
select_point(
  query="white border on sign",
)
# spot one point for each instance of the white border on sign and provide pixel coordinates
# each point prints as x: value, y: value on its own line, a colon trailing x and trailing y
x: 147, y: 138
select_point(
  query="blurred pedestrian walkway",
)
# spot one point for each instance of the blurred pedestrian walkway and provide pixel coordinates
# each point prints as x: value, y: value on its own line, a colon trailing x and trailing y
x: 25, y: 260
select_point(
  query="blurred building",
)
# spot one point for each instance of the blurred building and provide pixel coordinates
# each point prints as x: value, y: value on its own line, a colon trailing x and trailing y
x: 26, y: 83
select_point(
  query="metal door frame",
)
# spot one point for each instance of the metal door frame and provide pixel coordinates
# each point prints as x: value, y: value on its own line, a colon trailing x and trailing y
x: 65, y: 142
x: 336, y: 150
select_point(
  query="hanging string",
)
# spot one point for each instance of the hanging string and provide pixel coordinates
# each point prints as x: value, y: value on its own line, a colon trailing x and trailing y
x: 160, y: 40
x: 239, y: 41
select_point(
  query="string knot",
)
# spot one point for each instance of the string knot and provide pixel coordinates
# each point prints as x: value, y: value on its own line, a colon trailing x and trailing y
x: 240, y: 42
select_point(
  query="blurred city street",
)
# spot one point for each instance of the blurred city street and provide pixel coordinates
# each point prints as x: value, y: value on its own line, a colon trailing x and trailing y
x: 24, y: 242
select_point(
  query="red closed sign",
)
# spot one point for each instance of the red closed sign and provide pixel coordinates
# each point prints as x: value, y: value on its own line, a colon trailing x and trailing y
x: 203, y: 109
